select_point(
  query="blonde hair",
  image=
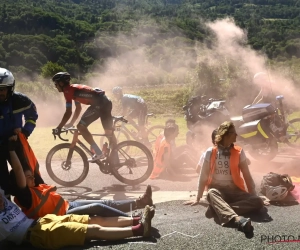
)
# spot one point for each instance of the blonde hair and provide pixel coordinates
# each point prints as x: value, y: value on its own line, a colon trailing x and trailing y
x: 222, y: 131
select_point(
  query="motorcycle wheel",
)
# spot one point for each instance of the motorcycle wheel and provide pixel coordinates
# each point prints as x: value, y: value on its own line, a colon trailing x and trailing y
x: 265, y: 154
x: 293, y: 133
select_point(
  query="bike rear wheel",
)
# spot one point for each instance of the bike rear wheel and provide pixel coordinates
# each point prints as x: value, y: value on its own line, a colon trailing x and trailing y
x: 66, y: 173
x: 120, y: 134
x: 131, y: 162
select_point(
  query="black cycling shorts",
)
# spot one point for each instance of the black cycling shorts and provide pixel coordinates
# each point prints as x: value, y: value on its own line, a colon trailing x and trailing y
x: 101, y: 109
x: 140, y: 114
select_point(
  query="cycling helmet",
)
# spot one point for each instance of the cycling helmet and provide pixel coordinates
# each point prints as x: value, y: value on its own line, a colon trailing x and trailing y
x: 65, y: 77
x: 117, y: 90
x: 260, y: 78
x: 276, y: 193
x: 7, y: 80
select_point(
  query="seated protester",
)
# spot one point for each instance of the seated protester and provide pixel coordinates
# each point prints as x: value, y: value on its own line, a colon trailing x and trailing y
x: 54, y: 232
x: 162, y: 158
x: 221, y: 174
x: 36, y: 199
x: 201, y: 161
x: 161, y: 136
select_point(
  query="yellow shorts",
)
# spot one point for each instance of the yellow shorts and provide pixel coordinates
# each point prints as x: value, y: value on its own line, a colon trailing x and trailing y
x: 54, y: 232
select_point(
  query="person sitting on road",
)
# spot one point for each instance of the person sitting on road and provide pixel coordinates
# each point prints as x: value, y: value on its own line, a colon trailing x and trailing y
x: 221, y: 174
x: 162, y: 158
x: 161, y: 136
x: 100, y: 107
x: 182, y: 155
x: 37, y: 199
x: 213, y: 137
x: 133, y: 107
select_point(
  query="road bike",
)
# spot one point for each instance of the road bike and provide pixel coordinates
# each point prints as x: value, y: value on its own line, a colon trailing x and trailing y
x: 123, y: 133
x: 129, y: 161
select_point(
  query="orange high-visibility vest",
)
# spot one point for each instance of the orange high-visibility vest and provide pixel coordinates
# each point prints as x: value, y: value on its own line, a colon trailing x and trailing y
x: 157, y: 142
x: 159, y: 164
x: 28, y: 153
x: 234, y: 161
x: 44, y: 201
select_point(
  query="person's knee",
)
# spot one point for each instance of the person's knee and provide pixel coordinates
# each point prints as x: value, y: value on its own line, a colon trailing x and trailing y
x: 92, y: 232
x: 212, y: 192
x: 81, y: 127
x: 257, y: 202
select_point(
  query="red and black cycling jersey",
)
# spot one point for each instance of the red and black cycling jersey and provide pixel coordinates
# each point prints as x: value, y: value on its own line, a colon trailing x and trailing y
x: 81, y: 93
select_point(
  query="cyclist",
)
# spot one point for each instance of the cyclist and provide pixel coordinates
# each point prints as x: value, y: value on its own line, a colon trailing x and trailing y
x: 133, y: 107
x: 100, y: 107
x: 14, y: 107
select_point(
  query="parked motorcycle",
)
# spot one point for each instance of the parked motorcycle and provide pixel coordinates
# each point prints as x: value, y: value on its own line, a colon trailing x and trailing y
x: 260, y: 128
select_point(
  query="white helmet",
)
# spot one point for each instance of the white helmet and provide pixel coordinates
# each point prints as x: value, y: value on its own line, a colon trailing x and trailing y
x: 261, y: 78
x: 277, y: 193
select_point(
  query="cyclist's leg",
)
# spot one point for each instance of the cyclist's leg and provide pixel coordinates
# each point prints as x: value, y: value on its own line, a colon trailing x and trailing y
x: 107, y: 120
x: 89, y: 116
x: 141, y: 122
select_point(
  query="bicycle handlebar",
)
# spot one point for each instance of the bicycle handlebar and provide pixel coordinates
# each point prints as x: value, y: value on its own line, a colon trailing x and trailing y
x: 59, y: 136
x: 72, y: 129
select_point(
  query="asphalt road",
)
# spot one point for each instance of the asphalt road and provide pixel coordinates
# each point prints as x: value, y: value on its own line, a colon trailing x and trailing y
x: 183, y: 227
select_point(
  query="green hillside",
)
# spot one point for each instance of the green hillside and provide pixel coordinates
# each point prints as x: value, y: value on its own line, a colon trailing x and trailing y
x: 145, y: 42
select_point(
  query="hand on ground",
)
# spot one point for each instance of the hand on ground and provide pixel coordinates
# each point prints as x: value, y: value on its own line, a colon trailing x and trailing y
x: 191, y: 202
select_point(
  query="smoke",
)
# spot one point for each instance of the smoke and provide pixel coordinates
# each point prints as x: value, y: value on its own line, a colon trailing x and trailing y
x: 231, y: 45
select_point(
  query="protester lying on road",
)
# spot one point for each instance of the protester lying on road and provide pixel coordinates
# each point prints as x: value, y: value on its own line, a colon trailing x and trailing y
x: 36, y: 199
x: 221, y: 174
x: 53, y: 232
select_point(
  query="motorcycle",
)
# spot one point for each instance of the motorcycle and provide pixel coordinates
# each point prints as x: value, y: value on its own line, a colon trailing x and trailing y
x: 260, y: 128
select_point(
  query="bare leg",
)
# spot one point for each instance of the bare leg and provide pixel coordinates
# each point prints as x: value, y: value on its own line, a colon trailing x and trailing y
x: 96, y: 232
x: 111, y: 221
x: 86, y: 134
x: 113, y: 139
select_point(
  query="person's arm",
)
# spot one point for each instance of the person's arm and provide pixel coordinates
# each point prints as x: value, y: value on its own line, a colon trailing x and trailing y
x: 21, y: 190
x: 77, y: 112
x: 203, y: 177
x: 16, y: 165
x: 247, y: 177
x: 66, y: 117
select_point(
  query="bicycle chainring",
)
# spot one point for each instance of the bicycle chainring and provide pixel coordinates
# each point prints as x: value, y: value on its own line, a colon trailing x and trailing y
x: 104, y: 167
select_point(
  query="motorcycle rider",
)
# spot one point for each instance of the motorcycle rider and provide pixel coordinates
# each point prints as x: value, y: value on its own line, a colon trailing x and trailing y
x: 265, y: 95
x: 14, y: 106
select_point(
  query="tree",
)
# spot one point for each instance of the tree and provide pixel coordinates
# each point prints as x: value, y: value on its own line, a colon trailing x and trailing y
x: 50, y: 68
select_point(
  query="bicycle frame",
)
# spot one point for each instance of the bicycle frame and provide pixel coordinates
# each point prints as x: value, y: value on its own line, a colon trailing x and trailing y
x: 134, y: 124
x: 75, y: 140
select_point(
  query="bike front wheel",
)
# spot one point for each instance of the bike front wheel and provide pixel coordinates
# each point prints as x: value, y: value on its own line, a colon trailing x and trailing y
x: 131, y: 162
x: 154, y: 132
x: 66, y: 172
